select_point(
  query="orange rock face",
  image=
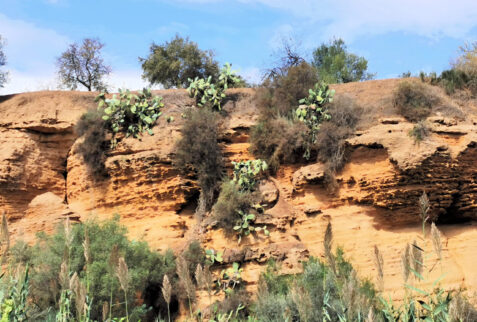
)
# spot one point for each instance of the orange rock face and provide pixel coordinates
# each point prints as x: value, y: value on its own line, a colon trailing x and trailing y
x: 43, y: 179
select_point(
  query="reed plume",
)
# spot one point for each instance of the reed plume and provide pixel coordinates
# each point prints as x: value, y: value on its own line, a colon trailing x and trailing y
x: 328, y: 244
x: 379, y: 262
x: 166, y: 293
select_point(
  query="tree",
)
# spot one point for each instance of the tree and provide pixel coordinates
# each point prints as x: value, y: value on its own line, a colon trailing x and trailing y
x: 336, y: 65
x: 82, y: 64
x: 174, y: 62
x: 3, y: 61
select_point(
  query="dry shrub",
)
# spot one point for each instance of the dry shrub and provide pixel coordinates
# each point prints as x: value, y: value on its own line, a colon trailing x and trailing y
x: 199, y: 149
x: 330, y: 142
x: 94, y: 146
x: 419, y: 131
x: 280, y: 94
x: 238, y: 299
x: 230, y: 201
x: 414, y: 100
x: 278, y: 140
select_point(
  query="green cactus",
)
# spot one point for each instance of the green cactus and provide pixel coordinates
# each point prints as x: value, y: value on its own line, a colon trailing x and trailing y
x: 209, y: 94
x: 246, y: 225
x: 130, y: 113
x: 246, y: 172
x: 314, y: 110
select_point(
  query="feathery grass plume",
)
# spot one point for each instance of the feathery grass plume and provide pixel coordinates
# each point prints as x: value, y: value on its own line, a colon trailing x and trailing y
x: 64, y: 276
x: 328, y: 244
x: 80, y: 295
x: 166, y: 293
x: 301, y: 298
x: 123, y: 277
x: 199, y: 276
x: 436, y: 241
x: 417, y: 258
x: 123, y: 273
x: 424, y: 209
x: 370, y: 317
x: 68, y: 234
x: 184, y: 278
x: 112, y: 263
x: 86, y: 247
x: 406, y: 262
x: 5, y: 238
x: 105, y: 310
x: 379, y: 262
x: 87, y: 257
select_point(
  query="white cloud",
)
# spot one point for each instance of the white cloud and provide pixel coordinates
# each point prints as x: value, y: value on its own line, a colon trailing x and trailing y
x: 351, y: 18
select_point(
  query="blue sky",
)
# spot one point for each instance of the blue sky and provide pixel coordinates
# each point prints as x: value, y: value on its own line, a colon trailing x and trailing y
x: 395, y: 36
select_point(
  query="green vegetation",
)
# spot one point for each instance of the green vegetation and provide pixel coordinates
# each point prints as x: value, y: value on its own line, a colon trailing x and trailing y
x: 246, y: 173
x: 210, y: 94
x: 199, y: 150
x: 313, y: 112
x: 131, y: 114
x: 3, y: 61
x: 336, y: 65
x: 238, y: 204
x: 82, y: 64
x: 173, y: 63
x: 86, y: 271
x: 414, y: 100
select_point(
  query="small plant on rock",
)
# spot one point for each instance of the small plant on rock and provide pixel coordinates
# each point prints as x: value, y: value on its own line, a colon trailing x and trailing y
x: 130, y: 113
x: 246, y: 225
x: 230, y: 278
x: 212, y: 256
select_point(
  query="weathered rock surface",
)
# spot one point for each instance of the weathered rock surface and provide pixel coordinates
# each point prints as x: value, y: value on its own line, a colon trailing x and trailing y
x: 43, y: 179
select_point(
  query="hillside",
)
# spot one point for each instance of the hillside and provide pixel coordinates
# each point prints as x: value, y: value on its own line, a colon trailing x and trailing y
x: 43, y: 179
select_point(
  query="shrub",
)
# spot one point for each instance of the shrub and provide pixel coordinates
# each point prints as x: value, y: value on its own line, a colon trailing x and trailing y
x: 174, y: 62
x: 414, y: 100
x: 94, y: 146
x: 230, y: 202
x: 419, y: 131
x: 278, y: 140
x: 194, y: 255
x: 107, y: 242
x: 279, y: 95
x: 199, y: 149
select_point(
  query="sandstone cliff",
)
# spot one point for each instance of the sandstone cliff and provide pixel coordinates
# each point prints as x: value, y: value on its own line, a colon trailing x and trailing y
x: 43, y: 179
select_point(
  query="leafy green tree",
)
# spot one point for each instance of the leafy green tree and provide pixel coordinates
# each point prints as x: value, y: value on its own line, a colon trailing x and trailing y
x: 3, y: 61
x: 174, y: 62
x: 82, y: 64
x: 336, y: 65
